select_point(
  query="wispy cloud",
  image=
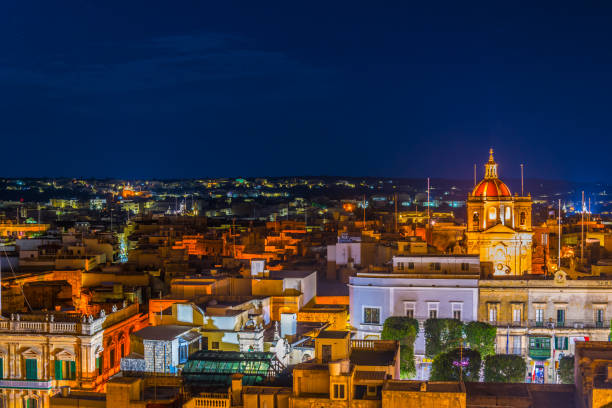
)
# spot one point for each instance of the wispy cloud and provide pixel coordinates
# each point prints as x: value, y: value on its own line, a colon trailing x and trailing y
x: 155, y: 63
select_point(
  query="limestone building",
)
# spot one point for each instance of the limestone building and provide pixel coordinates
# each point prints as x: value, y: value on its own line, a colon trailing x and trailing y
x: 499, y: 225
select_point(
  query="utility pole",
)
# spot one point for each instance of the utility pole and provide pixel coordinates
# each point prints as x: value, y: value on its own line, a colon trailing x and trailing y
x: 559, y: 236
x: 582, y: 231
x: 395, y: 202
x: 364, y: 205
x: 428, y: 205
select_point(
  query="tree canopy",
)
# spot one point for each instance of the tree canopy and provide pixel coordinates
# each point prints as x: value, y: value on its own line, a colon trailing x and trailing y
x: 443, y: 369
x: 505, y: 368
x: 566, y: 370
x: 442, y: 335
x: 404, y: 330
x: 481, y: 336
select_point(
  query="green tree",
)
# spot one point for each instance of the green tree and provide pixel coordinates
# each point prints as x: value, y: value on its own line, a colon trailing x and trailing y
x: 566, y: 370
x: 505, y: 368
x: 404, y: 330
x: 443, y: 369
x: 442, y: 335
x: 481, y: 336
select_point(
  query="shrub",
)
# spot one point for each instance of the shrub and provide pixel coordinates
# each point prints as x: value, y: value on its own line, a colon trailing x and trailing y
x: 481, y: 336
x: 566, y: 370
x: 443, y: 369
x: 505, y: 368
x: 404, y: 330
x: 442, y: 335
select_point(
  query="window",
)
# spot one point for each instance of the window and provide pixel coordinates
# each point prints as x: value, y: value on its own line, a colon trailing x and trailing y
x: 100, y: 364
x: 508, y: 215
x: 475, y: 219
x: 432, y: 310
x: 516, y: 345
x: 30, y: 403
x: 122, y: 350
x: 539, y: 317
x: 339, y: 391
x: 31, y: 369
x: 465, y: 266
x: 539, y: 343
x: 111, y: 354
x: 215, y: 345
x: 561, y: 343
x: 523, y: 218
x: 371, y: 315
x: 434, y: 266
x: 371, y: 391
x: 409, y: 308
x: 65, y: 370
x: 1, y: 368
x: 410, y: 265
x: 492, y: 213
x: 326, y: 353
x: 400, y: 266
x: 599, y: 315
x: 183, y: 353
x: 516, y: 315
x: 493, y: 313
x: 560, y: 317
x: 457, y: 309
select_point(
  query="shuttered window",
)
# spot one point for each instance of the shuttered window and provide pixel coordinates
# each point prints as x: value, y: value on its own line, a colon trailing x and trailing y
x: 31, y: 369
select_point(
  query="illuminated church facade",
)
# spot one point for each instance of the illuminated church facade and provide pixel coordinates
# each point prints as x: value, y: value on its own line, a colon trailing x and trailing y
x: 499, y: 225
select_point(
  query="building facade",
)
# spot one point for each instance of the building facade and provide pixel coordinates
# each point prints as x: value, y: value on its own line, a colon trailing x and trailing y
x: 499, y: 225
x: 40, y: 353
x: 376, y: 296
x: 543, y: 319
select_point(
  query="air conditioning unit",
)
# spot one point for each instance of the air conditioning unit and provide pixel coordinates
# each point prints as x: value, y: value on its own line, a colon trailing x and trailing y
x: 578, y: 325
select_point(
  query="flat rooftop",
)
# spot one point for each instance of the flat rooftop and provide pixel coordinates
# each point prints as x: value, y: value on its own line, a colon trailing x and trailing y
x: 333, y: 334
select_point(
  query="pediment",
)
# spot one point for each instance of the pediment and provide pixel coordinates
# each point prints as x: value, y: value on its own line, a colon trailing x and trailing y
x: 499, y: 229
x: 31, y: 353
x: 65, y: 355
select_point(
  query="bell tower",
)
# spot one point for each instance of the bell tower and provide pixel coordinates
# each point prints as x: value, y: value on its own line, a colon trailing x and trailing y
x: 499, y: 225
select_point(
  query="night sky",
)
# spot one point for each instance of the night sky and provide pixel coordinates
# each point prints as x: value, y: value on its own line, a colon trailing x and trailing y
x: 213, y: 88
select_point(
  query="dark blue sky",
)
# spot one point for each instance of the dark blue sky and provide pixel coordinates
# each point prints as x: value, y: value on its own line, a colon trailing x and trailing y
x: 197, y: 88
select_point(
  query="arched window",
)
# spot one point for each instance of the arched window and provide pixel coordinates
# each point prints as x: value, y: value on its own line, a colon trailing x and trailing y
x: 492, y: 213
x: 522, y: 218
x: 475, y: 219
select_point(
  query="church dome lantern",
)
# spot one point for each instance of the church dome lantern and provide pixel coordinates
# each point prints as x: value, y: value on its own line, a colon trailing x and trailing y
x: 491, y: 186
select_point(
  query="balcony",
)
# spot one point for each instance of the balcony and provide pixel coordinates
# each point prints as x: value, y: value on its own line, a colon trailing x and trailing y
x: 27, y: 384
x: 539, y: 348
x: 209, y: 400
x: 569, y: 324
x: 508, y: 323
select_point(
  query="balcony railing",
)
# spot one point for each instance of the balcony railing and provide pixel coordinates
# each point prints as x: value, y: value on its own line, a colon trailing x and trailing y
x: 539, y: 352
x: 27, y: 384
x: 210, y: 400
x: 569, y: 324
x: 548, y: 324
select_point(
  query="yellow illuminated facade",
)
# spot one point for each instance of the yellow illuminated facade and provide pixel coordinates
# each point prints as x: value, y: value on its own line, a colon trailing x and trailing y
x: 499, y: 225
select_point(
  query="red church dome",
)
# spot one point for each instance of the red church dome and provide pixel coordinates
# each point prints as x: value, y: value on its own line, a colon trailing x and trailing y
x: 491, y: 185
x: 491, y: 188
